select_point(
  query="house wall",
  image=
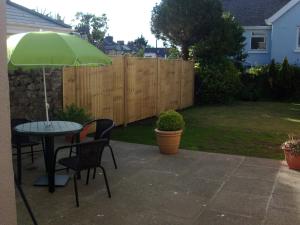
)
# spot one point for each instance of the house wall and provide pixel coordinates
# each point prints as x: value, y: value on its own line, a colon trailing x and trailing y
x: 19, y: 21
x: 284, y: 36
x: 7, y: 190
x: 257, y: 57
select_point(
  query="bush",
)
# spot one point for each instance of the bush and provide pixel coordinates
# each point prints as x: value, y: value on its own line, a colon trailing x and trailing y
x: 170, y: 121
x: 220, y: 83
x: 74, y: 113
x: 255, y: 84
x: 274, y: 81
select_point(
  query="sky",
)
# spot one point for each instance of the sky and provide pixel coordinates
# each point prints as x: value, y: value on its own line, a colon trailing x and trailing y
x: 127, y: 20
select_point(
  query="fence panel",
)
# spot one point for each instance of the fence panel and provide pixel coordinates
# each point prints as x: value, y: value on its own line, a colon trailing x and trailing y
x: 169, y: 84
x: 187, y: 84
x: 131, y: 88
x: 141, y: 86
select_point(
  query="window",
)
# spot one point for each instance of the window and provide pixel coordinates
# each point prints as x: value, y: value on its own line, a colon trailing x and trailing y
x: 298, y: 38
x: 258, y: 41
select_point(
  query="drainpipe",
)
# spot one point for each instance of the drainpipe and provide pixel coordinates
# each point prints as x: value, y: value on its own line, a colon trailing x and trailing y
x: 7, y: 190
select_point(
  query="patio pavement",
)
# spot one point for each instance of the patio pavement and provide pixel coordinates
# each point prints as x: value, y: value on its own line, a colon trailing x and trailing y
x: 190, y: 188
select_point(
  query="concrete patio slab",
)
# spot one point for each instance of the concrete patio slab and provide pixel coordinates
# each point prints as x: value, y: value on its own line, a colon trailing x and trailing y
x: 190, y: 188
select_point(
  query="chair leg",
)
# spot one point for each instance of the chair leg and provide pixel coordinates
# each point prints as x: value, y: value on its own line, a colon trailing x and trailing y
x: 75, y: 189
x: 87, y: 177
x: 70, y: 154
x: 94, y: 174
x: 113, y: 156
x: 32, y: 156
x: 106, y: 182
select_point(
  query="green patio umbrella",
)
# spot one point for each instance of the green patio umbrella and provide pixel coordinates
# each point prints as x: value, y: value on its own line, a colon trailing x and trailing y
x: 50, y: 49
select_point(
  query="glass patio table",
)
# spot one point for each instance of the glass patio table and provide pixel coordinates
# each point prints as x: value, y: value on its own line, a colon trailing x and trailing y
x: 47, y: 130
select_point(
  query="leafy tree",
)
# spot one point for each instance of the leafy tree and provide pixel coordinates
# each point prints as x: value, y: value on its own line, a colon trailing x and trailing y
x: 226, y: 40
x: 94, y: 27
x: 140, y: 42
x: 184, y: 23
x: 174, y: 53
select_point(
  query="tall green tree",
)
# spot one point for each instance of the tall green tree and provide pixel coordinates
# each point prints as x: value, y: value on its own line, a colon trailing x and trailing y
x: 226, y: 40
x: 94, y: 27
x: 184, y: 23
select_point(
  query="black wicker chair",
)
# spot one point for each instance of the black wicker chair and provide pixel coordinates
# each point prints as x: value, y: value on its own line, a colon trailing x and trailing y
x: 88, y: 156
x: 23, y: 141
x: 103, y: 131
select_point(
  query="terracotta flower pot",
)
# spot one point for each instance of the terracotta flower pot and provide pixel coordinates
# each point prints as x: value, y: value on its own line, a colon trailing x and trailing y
x: 83, y: 134
x: 168, y: 141
x: 293, y: 160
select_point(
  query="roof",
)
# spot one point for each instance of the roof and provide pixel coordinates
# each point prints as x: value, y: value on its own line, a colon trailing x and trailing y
x: 16, y: 13
x: 253, y: 12
x: 161, y: 52
x: 109, y: 44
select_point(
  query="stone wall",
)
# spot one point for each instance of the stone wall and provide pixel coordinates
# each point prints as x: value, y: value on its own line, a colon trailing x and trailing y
x: 27, y: 94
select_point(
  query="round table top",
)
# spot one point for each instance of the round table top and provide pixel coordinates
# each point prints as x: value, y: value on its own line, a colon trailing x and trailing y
x: 54, y: 128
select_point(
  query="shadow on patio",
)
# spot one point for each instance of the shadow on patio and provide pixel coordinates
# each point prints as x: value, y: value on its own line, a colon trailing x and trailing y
x: 191, y: 188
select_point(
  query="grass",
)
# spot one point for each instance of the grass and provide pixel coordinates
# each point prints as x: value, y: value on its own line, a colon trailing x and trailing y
x: 246, y: 128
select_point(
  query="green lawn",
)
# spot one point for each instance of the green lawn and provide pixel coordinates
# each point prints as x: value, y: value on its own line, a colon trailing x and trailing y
x: 246, y: 128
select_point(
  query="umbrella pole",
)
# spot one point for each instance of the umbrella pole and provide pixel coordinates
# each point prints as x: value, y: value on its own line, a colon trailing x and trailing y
x: 45, y: 94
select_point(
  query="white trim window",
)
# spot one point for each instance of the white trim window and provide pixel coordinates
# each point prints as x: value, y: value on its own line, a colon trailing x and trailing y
x: 258, y: 41
x: 298, y: 39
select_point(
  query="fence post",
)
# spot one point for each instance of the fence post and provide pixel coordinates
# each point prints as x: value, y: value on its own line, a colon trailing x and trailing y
x: 157, y: 88
x: 180, y: 83
x: 125, y: 74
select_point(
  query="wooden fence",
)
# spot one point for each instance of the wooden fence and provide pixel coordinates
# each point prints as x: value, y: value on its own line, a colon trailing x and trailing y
x: 131, y: 88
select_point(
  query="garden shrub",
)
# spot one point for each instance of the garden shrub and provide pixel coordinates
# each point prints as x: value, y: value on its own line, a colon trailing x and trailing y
x: 170, y: 121
x: 220, y: 83
x: 74, y: 113
x: 275, y: 81
x: 255, y: 84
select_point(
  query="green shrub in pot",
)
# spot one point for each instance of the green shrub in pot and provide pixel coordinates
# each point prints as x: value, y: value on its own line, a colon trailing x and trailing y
x: 170, y: 121
x: 168, y: 133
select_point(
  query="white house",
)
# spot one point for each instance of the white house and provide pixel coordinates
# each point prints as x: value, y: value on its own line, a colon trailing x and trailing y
x: 20, y: 19
x: 272, y: 29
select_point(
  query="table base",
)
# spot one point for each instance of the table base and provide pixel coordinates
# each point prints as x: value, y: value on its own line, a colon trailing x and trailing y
x: 60, y: 180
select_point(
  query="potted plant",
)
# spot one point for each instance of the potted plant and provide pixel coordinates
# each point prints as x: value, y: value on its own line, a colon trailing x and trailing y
x: 170, y: 125
x: 76, y: 114
x: 291, y: 150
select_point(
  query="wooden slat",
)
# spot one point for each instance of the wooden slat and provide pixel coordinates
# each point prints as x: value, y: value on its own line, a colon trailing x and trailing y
x: 131, y: 88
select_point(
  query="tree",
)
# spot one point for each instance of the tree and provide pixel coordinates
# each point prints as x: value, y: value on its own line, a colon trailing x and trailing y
x: 140, y: 42
x: 184, y: 23
x: 94, y: 27
x: 226, y: 40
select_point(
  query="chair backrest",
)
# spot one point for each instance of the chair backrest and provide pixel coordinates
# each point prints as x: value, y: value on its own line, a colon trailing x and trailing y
x: 89, y: 153
x: 14, y: 137
x: 103, y: 129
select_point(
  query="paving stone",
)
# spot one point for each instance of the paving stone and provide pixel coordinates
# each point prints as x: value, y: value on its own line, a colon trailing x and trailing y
x: 286, y: 201
x: 240, y: 204
x: 249, y: 186
x: 281, y: 217
x: 257, y: 172
x: 253, y: 161
x: 210, y: 217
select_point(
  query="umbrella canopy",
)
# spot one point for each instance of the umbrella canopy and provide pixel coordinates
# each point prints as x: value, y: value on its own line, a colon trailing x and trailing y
x: 51, y: 49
